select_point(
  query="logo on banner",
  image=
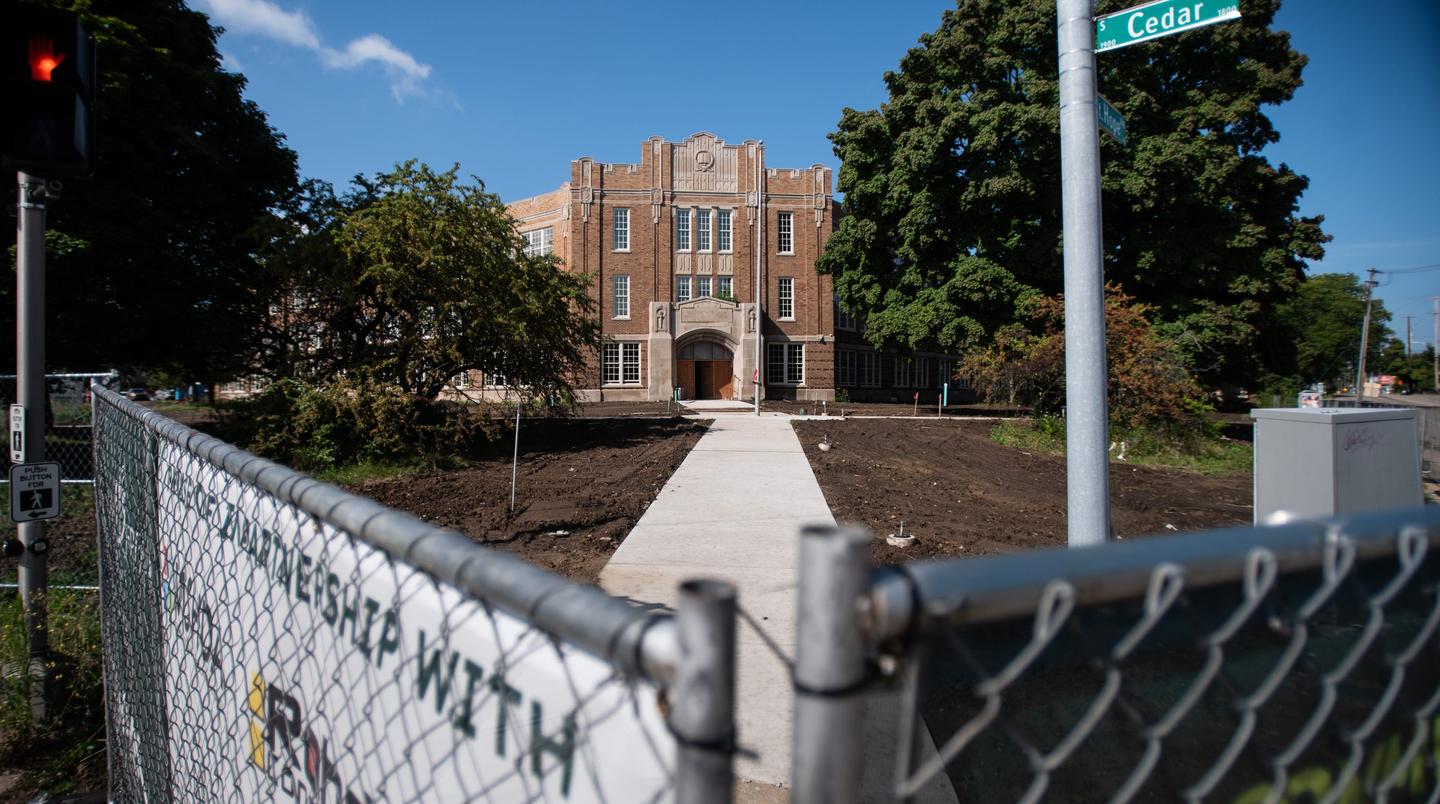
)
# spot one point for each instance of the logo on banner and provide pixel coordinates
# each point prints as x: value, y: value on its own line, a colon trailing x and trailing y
x: 290, y: 751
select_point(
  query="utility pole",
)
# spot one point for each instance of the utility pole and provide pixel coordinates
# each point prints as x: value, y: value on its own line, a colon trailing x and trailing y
x: 1435, y: 342
x: 1365, y: 340
x: 30, y: 381
x: 1087, y: 425
x: 1407, y: 334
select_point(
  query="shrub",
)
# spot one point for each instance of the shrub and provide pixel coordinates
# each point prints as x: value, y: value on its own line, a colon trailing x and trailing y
x: 353, y: 420
x: 1149, y: 382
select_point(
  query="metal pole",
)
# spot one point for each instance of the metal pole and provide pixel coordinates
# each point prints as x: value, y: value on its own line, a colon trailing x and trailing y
x: 1435, y: 342
x: 1087, y: 460
x: 515, y: 458
x: 1364, y: 341
x: 30, y: 382
x: 702, y: 713
x: 759, y: 252
x: 829, y: 664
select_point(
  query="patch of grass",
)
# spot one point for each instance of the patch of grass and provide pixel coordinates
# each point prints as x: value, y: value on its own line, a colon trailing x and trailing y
x: 1197, y: 451
x: 1045, y: 435
x: 67, y: 752
x: 71, y: 412
x: 356, y: 473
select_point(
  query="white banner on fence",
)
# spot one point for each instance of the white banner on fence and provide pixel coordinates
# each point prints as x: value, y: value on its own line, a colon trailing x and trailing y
x: 304, y: 665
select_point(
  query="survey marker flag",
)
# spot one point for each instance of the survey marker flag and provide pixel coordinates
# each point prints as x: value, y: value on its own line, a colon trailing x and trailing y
x: 1160, y: 18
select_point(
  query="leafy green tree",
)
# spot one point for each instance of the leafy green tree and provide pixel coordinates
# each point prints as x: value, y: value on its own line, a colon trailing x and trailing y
x: 952, y: 187
x: 416, y: 277
x: 1415, y: 371
x: 1321, y: 324
x: 152, y: 261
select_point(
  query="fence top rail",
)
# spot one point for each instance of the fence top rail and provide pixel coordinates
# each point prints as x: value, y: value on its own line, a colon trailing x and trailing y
x: 70, y: 376
x: 636, y: 641
x: 969, y: 591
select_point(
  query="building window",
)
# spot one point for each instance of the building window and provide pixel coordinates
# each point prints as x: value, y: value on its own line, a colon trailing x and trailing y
x: 462, y: 380
x: 846, y: 369
x: 622, y: 229
x: 702, y: 287
x: 620, y: 363
x: 494, y: 379
x: 682, y: 288
x: 621, y: 298
x: 922, y: 372
x: 843, y: 319
x: 869, y: 369
x: 786, y: 363
x: 726, y: 290
x: 702, y: 230
x: 787, y: 298
x: 682, y: 230
x: 538, y: 242
x: 722, y: 230
x: 785, y: 233
x: 904, y: 368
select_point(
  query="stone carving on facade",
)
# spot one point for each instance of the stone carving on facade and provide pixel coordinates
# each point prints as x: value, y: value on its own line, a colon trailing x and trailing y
x: 750, y: 321
x: 660, y: 318
x: 705, y: 311
x: 704, y: 163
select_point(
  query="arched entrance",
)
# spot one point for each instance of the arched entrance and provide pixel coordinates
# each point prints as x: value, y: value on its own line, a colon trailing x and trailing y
x: 704, y: 370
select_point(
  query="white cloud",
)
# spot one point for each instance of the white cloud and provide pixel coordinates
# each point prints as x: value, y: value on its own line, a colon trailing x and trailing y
x: 229, y: 62
x: 405, y: 72
x: 264, y: 18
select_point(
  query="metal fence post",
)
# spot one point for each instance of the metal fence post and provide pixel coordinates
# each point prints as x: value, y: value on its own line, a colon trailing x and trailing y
x: 830, y: 659
x: 702, y: 708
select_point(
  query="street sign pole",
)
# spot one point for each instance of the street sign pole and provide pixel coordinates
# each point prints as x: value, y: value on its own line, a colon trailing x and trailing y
x: 30, y: 379
x: 1087, y: 416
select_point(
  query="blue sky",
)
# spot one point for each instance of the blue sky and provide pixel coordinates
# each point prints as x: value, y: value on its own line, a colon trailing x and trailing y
x: 515, y: 90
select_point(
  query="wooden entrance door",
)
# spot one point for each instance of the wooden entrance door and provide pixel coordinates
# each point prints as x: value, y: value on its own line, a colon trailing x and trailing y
x: 705, y: 370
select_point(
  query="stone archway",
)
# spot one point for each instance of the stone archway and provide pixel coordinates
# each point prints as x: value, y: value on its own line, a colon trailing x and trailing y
x: 705, y: 369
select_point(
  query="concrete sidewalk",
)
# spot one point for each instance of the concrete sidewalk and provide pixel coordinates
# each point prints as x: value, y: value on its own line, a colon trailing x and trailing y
x: 733, y: 510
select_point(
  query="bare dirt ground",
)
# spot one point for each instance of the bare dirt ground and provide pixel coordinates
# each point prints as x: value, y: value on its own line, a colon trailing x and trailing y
x: 888, y: 408
x: 582, y: 485
x: 962, y: 494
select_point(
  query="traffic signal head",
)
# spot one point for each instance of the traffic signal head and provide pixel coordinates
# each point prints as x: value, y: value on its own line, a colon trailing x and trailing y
x: 47, y: 91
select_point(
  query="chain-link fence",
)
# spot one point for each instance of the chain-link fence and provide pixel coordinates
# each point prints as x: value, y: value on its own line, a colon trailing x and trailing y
x: 270, y: 636
x: 67, y: 421
x: 1294, y: 663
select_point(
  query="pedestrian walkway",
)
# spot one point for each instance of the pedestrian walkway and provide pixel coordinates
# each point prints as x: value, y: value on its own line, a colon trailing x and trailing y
x: 733, y: 511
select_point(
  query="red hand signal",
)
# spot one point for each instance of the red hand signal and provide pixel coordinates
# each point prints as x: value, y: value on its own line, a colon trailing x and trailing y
x: 43, y: 59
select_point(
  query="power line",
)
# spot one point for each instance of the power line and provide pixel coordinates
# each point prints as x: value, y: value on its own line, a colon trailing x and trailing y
x: 1415, y: 270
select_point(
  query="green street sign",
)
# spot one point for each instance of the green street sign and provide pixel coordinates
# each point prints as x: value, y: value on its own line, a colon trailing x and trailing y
x: 1160, y: 18
x: 1110, y: 119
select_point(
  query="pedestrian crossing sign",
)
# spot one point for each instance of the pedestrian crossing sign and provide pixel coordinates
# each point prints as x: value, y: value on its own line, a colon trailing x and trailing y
x: 34, y: 491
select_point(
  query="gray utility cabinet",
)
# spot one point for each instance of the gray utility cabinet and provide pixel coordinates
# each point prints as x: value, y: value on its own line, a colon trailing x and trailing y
x: 1313, y: 463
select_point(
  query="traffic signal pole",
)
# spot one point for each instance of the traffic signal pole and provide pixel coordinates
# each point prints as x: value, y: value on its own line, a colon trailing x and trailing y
x: 30, y: 381
x: 1087, y: 458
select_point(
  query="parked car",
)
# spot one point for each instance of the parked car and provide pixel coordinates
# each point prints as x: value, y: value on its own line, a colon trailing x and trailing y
x: 138, y: 395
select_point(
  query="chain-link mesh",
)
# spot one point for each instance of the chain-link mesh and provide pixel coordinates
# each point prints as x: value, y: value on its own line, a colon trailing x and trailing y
x: 67, y: 421
x: 256, y: 649
x: 1302, y: 666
